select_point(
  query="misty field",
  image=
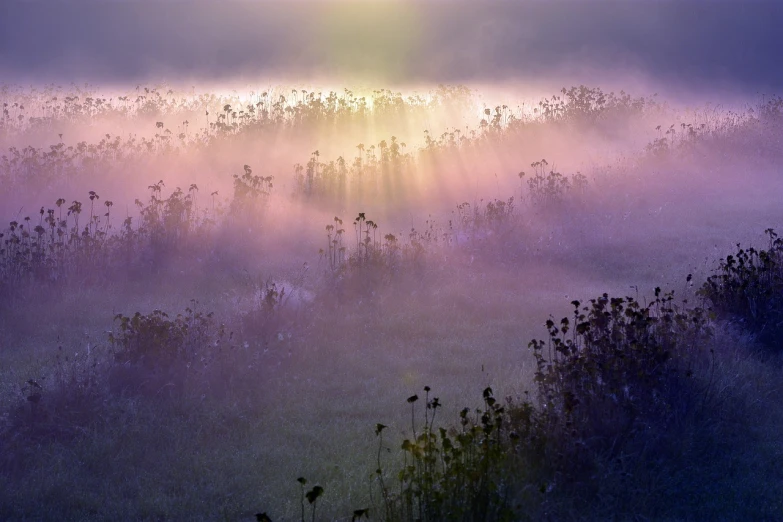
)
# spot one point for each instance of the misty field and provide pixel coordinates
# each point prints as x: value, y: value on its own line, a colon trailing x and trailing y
x: 442, y: 303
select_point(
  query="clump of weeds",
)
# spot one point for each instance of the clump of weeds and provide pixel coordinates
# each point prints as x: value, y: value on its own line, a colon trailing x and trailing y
x: 748, y: 288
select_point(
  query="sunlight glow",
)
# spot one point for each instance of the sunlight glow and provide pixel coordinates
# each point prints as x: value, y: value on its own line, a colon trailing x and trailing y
x: 375, y: 42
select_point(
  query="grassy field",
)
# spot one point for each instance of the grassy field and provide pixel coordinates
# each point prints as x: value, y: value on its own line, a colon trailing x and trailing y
x: 296, y: 339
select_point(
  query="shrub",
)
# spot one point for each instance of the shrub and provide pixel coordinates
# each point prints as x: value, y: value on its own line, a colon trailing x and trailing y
x: 476, y: 222
x: 250, y: 191
x: 156, y: 352
x: 376, y: 260
x: 551, y: 190
x: 748, y: 288
x: 616, y: 371
x: 62, y: 246
x: 452, y: 474
x: 167, y: 223
x: 582, y: 104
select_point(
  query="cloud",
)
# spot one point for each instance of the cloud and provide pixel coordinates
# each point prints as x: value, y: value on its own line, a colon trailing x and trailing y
x: 688, y: 43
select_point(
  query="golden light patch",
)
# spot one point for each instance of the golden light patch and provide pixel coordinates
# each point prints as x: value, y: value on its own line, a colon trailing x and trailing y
x: 371, y: 41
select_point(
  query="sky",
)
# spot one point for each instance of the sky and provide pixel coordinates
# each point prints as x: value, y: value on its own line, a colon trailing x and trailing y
x: 693, y: 44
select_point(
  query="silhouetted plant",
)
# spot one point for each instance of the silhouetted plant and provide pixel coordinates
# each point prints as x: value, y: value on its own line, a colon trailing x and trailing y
x: 748, y: 288
x: 616, y: 368
x: 452, y: 474
x: 167, y: 348
x: 250, y: 191
x: 550, y: 190
x: 375, y: 260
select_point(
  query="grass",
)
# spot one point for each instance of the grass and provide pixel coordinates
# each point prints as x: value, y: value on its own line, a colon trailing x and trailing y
x: 296, y: 409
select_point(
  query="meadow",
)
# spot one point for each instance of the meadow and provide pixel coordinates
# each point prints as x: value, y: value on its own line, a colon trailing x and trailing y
x: 444, y: 303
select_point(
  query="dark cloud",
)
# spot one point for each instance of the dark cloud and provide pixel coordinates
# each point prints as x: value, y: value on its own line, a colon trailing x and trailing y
x: 734, y: 44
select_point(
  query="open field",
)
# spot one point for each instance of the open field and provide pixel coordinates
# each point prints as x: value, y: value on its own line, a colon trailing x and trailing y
x: 322, y: 328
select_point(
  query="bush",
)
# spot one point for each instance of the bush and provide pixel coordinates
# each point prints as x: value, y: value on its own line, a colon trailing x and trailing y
x: 550, y: 191
x: 156, y: 352
x: 376, y: 261
x: 617, y: 363
x: 622, y: 388
x: 748, y: 288
x: 454, y: 474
